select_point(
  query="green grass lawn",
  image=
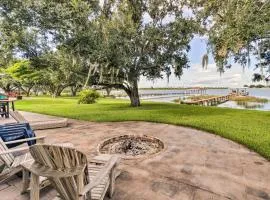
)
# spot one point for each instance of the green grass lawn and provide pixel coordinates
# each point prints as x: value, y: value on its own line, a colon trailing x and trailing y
x: 250, y: 128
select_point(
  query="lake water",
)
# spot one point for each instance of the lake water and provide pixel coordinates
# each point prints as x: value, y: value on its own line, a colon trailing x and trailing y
x: 257, y: 92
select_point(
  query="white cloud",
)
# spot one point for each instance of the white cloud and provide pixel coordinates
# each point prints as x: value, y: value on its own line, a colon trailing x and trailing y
x: 210, y: 77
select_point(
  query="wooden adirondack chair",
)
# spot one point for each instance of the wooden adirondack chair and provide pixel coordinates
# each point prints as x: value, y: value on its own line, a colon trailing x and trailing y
x: 71, y: 175
x: 11, y: 162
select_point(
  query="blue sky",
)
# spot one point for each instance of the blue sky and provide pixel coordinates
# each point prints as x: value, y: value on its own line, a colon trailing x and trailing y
x: 196, y: 76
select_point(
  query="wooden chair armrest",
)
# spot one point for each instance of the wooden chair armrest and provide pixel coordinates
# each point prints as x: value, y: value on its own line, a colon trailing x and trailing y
x: 66, y: 144
x: 14, y: 150
x: 11, y: 123
x: 39, y: 170
x: 40, y: 138
x: 100, y: 175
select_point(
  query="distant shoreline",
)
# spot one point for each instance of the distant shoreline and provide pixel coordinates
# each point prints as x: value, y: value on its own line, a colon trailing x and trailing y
x: 183, y: 88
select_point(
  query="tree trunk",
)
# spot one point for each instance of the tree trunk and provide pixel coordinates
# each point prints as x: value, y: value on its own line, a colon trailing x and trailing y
x: 57, y: 92
x: 28, y: 92
x: 134, y: 98
x: 7, y: 88
x: 74, y: 90
x: 133, y: 94
x: 108, y: 90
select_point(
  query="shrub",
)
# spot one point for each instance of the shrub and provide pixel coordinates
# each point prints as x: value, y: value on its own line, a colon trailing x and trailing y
x: 88, y: 96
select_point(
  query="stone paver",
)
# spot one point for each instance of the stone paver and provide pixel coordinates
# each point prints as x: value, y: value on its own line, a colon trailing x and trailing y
x: 195, y: 165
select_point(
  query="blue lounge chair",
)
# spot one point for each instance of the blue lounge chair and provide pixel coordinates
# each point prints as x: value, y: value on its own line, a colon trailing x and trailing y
x: 16, y: 131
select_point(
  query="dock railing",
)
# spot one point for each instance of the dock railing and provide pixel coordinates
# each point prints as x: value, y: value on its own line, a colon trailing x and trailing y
x: 210, y: 101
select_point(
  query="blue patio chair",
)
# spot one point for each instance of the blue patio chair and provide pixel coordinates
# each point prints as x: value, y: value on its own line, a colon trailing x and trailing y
x: 16, y: 131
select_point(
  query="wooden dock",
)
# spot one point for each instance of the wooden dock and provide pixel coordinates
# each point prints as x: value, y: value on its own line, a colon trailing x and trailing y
x: 185, y: 92
x: 213, y: 101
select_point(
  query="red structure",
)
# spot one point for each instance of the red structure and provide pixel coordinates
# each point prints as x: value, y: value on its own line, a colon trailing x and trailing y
x: 12, y: 94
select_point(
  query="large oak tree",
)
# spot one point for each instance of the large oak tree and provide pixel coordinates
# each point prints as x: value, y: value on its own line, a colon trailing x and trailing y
x: 133, y: 39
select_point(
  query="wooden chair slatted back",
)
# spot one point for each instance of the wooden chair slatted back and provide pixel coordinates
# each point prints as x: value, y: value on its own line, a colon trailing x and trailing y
x: 8, y: 159
x: 61, y: 159
x: 17, y: 116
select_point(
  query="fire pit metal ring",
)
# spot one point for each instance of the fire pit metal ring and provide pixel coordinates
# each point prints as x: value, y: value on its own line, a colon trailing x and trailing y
x: 131, y: 146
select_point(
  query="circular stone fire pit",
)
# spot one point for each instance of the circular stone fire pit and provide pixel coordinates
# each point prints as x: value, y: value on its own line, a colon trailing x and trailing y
x: 131, y: 146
